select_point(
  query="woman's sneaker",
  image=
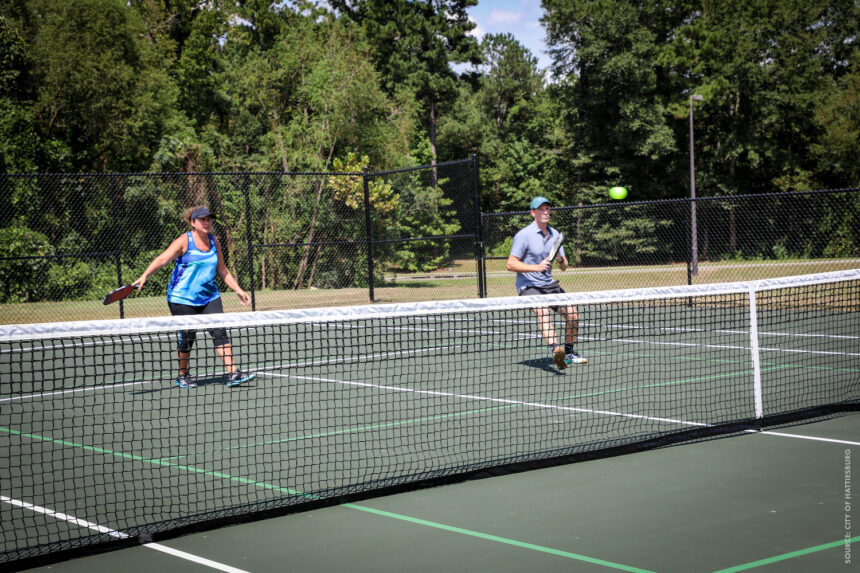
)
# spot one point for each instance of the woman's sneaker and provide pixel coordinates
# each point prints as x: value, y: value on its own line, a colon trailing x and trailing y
x: 185, y: 381
x: 574, y: 358
x: 237, y: 377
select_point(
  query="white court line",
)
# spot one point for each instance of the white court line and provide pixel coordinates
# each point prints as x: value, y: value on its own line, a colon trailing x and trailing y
x: 687, y: 344
x: 800, y: 437
x: 119, y: 534
x: 194, y: 558
x: 79, y: 344
x: 682, y: 329
x: 556, y: 407
x: 765, y: 348
x: 797, y: 334
x: 65, y: 517
x: 73, y: 391
x: 323, y: 361
x: 496, y: 400
x: 328, y: 361
x: 723, y: 331
x: 722, y: 346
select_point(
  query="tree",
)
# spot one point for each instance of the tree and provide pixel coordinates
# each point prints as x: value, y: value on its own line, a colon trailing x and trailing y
x: 506, y: 116
x: 186, y: 36
x: 316, y: 93
x: 315, y: 96
x: 415, y: 43
x: 607, y: 56
x: 509, y: 84
x: 99, y: 90
x: 837, y: 116
x: 20, y: 147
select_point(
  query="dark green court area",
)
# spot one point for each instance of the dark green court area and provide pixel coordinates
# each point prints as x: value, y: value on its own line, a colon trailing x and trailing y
x: 100, y: 448
x: 758, y: 502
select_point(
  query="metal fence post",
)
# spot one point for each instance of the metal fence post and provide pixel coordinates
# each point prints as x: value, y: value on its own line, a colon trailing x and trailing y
x: 480, y: 269
x: 694, y: 243
x: 246, y: 191
x: 688, y: 218
x: 117, y: 245
x: 367, y: 232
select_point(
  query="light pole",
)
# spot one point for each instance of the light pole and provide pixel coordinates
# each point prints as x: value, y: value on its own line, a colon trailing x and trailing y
x: 694, y: 246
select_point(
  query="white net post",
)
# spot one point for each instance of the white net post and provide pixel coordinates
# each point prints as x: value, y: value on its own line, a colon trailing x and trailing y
x: 754, y: 350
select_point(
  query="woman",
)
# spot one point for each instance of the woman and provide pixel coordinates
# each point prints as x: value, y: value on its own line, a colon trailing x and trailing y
x: 192, y: 290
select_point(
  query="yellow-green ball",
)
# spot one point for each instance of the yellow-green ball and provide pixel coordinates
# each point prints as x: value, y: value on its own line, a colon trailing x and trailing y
x: 618, y: 193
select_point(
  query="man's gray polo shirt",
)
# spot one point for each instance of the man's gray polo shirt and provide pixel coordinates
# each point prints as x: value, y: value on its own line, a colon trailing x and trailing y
x: 531, y: 246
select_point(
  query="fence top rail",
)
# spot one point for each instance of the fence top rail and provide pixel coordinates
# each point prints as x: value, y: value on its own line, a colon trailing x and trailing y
x: 419, y: 167
x: 685, y: 200
x: 175, y: 173
x: 232, y: 173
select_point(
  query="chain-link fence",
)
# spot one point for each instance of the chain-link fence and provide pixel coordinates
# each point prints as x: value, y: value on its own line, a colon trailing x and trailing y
x: 291, y: 239
x: 326, y: 239
x: 637, y: 244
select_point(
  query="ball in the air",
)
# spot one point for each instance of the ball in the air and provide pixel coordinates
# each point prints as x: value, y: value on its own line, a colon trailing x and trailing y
x: 618, y: 193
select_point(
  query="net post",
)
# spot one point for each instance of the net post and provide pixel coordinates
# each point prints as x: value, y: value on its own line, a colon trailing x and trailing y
x: 754, y: 351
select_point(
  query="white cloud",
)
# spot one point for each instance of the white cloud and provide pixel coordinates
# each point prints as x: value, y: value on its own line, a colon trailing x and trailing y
x: 503, y: 17
x: 478, y: 32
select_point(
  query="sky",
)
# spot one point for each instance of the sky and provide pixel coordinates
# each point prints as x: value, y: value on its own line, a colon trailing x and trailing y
x: 520, y: 18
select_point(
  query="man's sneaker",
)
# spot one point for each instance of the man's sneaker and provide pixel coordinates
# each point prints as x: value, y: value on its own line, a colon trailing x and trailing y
x: 185, y: 381
x: 574, y: 358
x: 237, y: 377
x: 558, y: 357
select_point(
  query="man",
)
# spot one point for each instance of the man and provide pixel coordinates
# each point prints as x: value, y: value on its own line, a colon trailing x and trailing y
x: 529, y: 258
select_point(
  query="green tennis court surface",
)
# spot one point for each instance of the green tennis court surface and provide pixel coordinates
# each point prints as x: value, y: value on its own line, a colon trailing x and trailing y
x: 101, y: 445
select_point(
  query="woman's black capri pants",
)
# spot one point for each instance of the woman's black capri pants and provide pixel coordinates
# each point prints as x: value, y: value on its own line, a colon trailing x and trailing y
x: 187, y: 337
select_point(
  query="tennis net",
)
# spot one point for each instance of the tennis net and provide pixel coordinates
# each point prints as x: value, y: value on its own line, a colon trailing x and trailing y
x: 99, y: 447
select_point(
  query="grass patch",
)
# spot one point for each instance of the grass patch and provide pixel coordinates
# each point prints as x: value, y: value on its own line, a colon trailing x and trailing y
x: 455, y: 281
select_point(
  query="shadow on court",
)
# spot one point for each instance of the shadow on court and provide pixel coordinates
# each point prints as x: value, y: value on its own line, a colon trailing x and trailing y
x: 545, y: 364
x: 771, y: 501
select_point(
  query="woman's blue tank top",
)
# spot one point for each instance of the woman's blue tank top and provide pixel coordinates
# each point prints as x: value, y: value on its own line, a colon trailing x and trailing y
x: 193, y: 279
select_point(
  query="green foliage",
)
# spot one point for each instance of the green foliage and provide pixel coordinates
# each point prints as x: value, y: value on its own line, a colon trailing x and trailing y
x: 415, y: 43
x: 101, y: 85
x: 24, y: 279
x: 401, y: 206
x: 73, y: 279
x: 99, y: 91
x: 502, y: 249
x: 200, y: 69
x: 14, y: 59
x: 605, y: 237
x: 350, y: 190
x: 20, y: 145
x: 424, y: 212
x: 39, y: 272
x: 842, y: 244
x: 315, y: 93
x: 255, y: 85
x: 838, y: 117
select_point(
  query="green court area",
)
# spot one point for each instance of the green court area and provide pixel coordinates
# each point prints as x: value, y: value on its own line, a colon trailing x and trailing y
x: 102, y: 445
